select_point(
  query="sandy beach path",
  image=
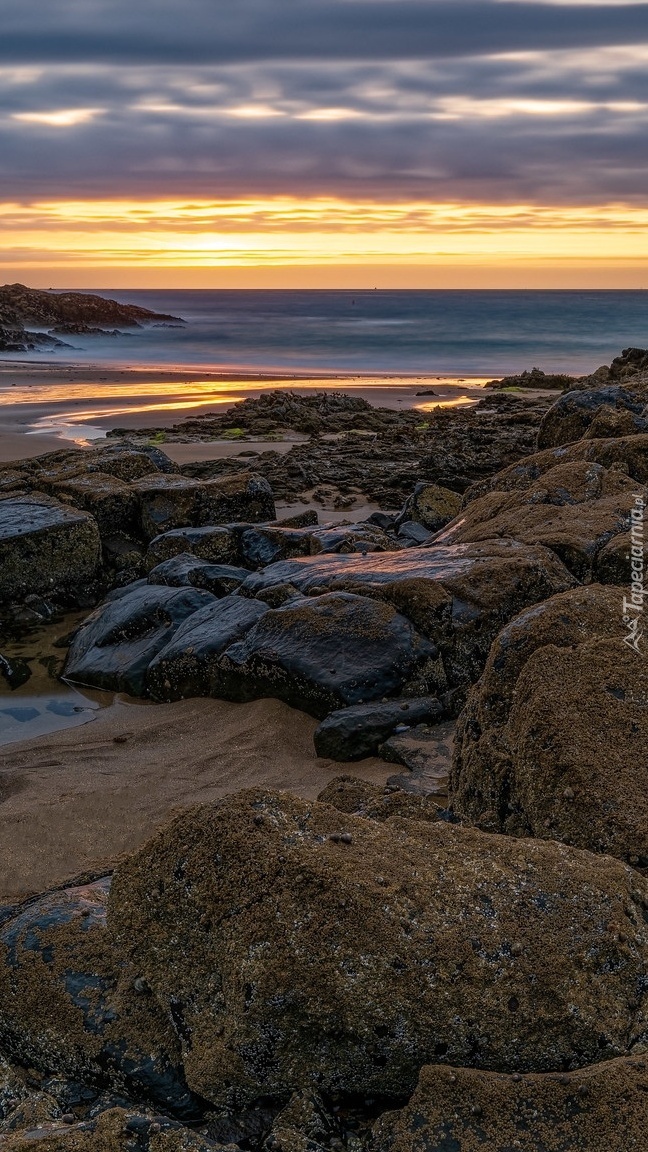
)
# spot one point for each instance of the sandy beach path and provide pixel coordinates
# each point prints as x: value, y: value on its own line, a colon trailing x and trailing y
x: 77, y: 799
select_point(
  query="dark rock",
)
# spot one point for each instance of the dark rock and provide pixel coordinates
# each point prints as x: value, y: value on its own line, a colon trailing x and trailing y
x: 15, y: 672
x: 459, y: 1108
x: 412, y: 533
x: 459, y: 596
x: 185, y: 571
x: 245, y: 496
x: 323, y: 653
x: 166, y: 502
x: 45, y: 546
x: 550, y: 742
x: 304, y: 930
x: 189, y: 664
x: 354, y: 733
x: 116, y: 644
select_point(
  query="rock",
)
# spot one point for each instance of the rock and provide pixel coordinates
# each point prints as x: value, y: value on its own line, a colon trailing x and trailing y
x: 329, y: 651
x: 571, y: 415
x: 458, y: 596
x: 23, y: 305
x: 574, y: 509
x: 342, y: 954
x: 354, y: 733
x: 114, y: 1130
x: 305, y: 1125
x: 427, y: 753
x: 114, y: 647
x: 185, y: 571
x: 411, y: 533
x: 628, y: 454
x: 35, y: 1111
x: 214, y: 545
x: 550, y: 742
x: 536, y: 378
x: 45, y: 547
x: 242, y: 497
x: 268, y: 544
x: 431, y: 506
x: 68, y: 1006
x: 189, y: 664
x: 111, y: 502
x: 459, y: 1108
x: 360, y: 798
x: 166, y: 502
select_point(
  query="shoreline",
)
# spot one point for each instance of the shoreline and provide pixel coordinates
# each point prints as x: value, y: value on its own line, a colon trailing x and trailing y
x: 47, y: 407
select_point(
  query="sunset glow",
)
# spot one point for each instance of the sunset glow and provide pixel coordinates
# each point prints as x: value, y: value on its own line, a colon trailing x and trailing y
x: 291, y: 232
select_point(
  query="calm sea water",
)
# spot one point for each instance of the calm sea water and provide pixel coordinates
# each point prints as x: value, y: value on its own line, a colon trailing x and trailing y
x: 446, y: 333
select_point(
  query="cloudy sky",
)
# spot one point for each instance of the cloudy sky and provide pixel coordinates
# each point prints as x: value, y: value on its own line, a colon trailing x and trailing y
x: 324, y: 142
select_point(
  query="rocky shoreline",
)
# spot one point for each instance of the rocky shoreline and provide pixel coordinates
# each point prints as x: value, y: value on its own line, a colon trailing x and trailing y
x: 65, y: 314
x: 455, y: 961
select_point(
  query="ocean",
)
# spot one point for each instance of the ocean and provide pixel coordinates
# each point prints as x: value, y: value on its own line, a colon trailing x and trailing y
x: 453, y: 333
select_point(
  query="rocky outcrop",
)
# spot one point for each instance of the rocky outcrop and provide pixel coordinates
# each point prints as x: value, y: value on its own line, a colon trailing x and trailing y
x: 599, y: 1109
x: 575, y: 509
x: 430, y: 505
x: 45, y: 546
x: 21, y: 306
x: 612, y: 410
x: 323, y: 949
x: 536, y: 379
x: 550, y: 742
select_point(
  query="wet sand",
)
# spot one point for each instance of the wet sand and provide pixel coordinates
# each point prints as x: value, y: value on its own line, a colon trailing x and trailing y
x: 78, y: 799
x: 43, y: 407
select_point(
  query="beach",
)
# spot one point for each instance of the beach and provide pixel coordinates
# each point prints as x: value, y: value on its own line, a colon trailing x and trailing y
x: 44, y: 407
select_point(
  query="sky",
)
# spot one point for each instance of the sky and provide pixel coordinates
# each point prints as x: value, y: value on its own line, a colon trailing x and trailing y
x: 324, y: 143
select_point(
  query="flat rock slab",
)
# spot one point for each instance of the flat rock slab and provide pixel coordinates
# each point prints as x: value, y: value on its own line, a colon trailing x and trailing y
x: 426, y: 751
x: 45, y: 546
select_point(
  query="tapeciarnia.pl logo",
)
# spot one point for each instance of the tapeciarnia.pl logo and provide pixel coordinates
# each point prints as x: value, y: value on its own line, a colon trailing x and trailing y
x: 633, y: 608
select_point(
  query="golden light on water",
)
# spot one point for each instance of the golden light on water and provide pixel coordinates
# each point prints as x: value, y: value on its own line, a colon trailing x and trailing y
x: 287, y: 231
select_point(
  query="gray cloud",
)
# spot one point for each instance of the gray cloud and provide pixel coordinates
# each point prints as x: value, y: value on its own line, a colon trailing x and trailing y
x: 475, y: 99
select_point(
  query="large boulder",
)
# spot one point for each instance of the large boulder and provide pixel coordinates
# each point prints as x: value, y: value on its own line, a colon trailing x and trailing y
x: 166, y: 502
x: 551, y: 742
x: 575, y: 509
x: 187, y: 571
x: 573, y: 413
x: 458, y: 596
x: 114, y: 647
x: 325, y: 652
x: 295, y: 946
x: 68, y: 1005
x: 599, y: 1109
x: 189, y: 664
x: 45, y: 547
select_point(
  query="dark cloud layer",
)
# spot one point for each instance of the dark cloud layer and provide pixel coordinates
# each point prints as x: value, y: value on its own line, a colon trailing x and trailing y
x: 385, y: 98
